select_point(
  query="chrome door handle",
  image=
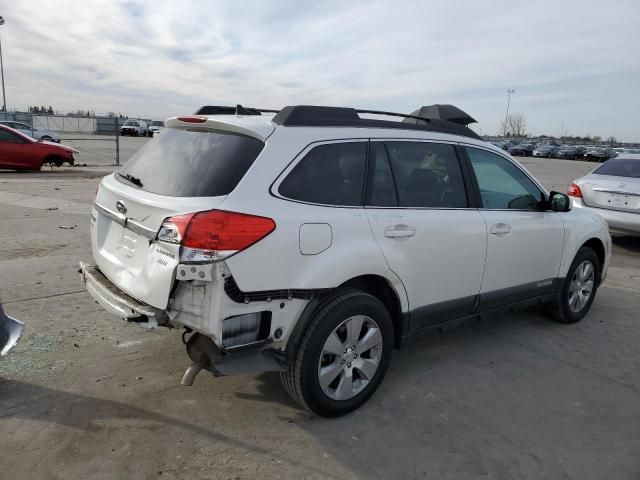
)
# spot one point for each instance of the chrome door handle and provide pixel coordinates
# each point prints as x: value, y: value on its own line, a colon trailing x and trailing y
x: 500, y: 229
x: 399, y: 231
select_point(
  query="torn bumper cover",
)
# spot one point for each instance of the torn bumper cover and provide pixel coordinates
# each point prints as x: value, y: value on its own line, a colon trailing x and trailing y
x: 10, y: 332
x: 118, y: 303
x: 204, y: 353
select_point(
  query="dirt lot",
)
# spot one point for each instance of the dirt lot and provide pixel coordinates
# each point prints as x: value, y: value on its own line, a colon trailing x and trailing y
x: 87, y: 396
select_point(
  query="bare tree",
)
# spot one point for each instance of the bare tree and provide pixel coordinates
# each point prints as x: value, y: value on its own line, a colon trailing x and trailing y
x: 514, y: 125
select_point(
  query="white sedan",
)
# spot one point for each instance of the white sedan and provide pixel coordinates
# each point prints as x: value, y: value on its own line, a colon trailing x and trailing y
x: 613, y: 191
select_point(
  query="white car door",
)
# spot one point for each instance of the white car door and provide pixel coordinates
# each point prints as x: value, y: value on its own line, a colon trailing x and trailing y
x: 524, y: 243
x: 419, y: 213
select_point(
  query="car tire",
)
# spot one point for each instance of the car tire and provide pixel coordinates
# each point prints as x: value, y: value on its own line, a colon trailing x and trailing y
x: 321, y: 371
x: 573, y: 303
x: 46, y: 138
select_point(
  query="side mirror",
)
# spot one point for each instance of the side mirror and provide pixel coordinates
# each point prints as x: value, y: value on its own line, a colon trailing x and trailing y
x: 559, y: 202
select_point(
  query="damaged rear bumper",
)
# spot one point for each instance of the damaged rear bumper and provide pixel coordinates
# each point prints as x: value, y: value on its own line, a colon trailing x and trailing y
x: 118, y: 303
x: 203, y: 351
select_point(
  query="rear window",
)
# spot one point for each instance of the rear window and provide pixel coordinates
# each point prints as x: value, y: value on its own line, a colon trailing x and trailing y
x: 189, y: 163
x: 620, y: 167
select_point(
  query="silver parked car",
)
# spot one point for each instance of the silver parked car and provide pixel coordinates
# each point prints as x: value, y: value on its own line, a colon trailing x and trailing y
x: 547, y: 151
x: 613, y: 191
x: 32, y: 132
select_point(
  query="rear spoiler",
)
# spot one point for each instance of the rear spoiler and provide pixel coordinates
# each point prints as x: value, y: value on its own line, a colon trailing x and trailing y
x: 250, y: 127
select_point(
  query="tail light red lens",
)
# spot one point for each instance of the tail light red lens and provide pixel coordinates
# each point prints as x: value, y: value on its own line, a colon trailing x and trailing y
x: 214, y: 234
x: 574, y: 191
x: 192, y: 119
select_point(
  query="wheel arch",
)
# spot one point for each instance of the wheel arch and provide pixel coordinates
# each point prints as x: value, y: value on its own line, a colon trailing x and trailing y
x: 379, y: 287
x: 376, y: 286
x: 56, y: 160
x: 597, y: 246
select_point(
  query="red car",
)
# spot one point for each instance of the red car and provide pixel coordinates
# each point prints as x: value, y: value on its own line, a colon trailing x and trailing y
x: 20, y: 152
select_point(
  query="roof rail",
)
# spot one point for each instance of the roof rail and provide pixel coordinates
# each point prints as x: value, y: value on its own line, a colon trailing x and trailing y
x: 319, y: 116
x: 226, y: 110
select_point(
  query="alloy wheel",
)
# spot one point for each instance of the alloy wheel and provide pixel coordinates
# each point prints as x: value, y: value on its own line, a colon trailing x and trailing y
x: 350, y: 357
x: 581, y: 286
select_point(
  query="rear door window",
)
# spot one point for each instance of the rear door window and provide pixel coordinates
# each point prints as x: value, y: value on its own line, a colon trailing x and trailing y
x: 191, y: 163
x: 426, y: 175
x: 330, y: 174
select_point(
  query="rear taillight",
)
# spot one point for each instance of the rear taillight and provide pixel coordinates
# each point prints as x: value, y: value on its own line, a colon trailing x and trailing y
x: 215, y: 234
x: 574, y: 191
x: 174, y: 228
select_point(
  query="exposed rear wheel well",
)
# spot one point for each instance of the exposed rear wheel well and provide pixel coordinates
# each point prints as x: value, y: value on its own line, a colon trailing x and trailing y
x: 53, y: 160
x: 380, y: 288
x: 596, y: 245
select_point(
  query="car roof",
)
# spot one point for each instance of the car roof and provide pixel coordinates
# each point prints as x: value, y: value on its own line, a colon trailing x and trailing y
x: 262, y: 126
x: 628, y: 156
x: 323, y: 116
x: 261, y: 123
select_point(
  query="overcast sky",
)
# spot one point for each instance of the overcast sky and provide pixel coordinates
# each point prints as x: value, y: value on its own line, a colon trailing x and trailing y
x: 575, y: 64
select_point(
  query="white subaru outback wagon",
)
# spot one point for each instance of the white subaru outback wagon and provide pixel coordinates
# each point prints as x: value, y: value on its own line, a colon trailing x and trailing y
x: 316, y: 240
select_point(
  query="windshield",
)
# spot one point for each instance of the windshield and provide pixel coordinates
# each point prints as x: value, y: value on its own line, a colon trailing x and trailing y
x: 157, y: 123
x: 620, y: 167
x: 131, y: 123
x: 190, y: 163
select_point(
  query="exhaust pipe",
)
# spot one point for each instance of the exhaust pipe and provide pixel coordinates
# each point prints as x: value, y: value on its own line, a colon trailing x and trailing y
x: 10, y: 332
x: 203, y: 353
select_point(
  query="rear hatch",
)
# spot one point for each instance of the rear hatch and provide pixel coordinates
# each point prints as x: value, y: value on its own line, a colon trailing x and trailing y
x: 180, y: 171
x: 611, y: 192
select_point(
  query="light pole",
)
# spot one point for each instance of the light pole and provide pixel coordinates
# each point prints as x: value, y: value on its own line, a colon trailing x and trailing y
x: 4, y: 98
x: 506, y: 117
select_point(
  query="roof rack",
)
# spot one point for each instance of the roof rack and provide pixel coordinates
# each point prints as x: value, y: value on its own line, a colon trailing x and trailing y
x: 226, y: 110
x: 318, y: 116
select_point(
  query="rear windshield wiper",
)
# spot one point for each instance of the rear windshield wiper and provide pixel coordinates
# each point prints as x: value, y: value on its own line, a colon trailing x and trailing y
x: 135, y: 180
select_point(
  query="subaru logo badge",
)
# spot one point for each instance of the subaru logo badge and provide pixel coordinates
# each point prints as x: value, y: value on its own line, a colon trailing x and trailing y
x: 122, y: 208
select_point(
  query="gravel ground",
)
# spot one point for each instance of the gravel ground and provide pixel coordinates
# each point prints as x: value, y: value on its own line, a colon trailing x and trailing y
x: 87, y: 396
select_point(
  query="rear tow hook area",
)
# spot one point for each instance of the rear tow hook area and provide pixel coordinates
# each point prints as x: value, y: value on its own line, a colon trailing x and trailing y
x: 206, y: 355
